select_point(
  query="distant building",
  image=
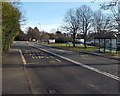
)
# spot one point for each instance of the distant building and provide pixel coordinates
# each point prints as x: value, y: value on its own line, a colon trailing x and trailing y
x: 51, y: 41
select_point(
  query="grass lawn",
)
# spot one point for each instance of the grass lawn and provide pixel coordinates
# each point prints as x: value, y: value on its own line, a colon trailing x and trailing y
x: 118, y: 53
x: 70, y: 46
x: 78, y: 48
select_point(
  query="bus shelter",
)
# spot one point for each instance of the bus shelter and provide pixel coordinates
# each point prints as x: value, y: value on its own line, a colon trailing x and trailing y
x: 105, y: 43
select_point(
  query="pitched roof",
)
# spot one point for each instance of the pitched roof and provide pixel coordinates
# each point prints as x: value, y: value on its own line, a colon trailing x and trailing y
x: 104, y: 36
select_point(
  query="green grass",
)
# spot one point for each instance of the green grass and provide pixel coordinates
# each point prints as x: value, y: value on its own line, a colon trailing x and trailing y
x: 70, y: 46
x: 78, y: 48
x: 118, y: 53
x: 65, y: 45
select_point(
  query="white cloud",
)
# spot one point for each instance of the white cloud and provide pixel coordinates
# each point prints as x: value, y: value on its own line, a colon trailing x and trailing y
x: 56, y: 0
x: 48, y: 28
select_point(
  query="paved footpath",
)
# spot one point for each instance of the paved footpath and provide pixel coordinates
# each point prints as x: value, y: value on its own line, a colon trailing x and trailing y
x: 14, y: 79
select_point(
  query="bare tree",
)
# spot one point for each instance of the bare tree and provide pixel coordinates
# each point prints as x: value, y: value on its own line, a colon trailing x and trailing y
x: 36, y: 33
x: 30, y: 33
x: 72, y: 23
x: 85, y: 16
x: 114, y: 6
x: 52, y: 35
x: 33, y: 33
x: 45, y: 36
x: 101, y: 22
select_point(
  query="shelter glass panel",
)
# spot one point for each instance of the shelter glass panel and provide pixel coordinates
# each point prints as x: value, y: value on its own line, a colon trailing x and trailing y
x: 107, y: 44
x: 101, y: 45
x: 114, y: 45
x: 97, y: 44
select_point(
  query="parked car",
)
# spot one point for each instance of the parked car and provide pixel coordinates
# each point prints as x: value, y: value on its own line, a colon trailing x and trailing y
x: 90, y: 43
x: 68, y: 43
x: 80, y: 44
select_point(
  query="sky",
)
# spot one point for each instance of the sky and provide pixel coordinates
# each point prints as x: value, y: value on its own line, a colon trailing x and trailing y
x: 48, y: 16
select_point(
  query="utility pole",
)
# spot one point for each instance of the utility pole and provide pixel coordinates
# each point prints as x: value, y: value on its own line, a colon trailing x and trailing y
x: 57, y: 29
x: 118, y: 16
x: 40, y: 31
x: 40, y: 26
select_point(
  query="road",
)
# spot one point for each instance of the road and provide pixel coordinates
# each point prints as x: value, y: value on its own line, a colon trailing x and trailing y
x: 50, y: 74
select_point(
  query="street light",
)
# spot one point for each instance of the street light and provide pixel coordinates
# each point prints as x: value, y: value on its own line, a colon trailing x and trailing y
x: 40, y: 26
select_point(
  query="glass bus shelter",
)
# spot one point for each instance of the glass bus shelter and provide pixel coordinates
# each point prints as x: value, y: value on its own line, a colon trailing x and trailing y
x: 105, y: 43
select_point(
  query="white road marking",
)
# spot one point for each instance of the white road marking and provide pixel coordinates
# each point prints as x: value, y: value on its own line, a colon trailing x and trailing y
x: 33, y: 57
x: 23, y: 59
x: 58, y: 60
x: 39, y: 57
x: 36, y: 57
x: 33, y: 63
x: 91, y: 85
x: 42, y: 57
x: 52, y: 61
x: 27, y: 74
x: 51, y: 56
x: 46, y: 57
x: 83, y: 65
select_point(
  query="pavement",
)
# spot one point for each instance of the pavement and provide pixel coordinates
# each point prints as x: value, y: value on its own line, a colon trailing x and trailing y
x: 14, y: 79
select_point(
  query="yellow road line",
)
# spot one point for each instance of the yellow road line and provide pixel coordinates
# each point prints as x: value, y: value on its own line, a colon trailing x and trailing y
x: 33, y: 57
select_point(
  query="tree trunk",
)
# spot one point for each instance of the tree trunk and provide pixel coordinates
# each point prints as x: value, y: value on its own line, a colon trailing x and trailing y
x: 85, y: 43
x: 85, y: 36
x: 74, y: 39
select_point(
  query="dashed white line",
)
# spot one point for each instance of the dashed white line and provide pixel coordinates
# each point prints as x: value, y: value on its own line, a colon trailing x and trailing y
x: 83, y: 65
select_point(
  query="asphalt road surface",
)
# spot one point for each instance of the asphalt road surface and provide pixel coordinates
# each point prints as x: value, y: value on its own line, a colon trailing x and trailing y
x: 49, y: 74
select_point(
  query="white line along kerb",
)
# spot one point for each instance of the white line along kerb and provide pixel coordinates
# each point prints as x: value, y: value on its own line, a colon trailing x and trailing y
x: 23, y: 59
x: 83, y: 65
x: 27, y: 75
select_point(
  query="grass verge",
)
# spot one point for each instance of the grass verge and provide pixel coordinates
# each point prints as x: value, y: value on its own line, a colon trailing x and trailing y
x: 80, y: 48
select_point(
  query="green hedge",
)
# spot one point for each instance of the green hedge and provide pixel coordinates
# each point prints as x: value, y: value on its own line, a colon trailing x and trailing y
x: 10, y: 23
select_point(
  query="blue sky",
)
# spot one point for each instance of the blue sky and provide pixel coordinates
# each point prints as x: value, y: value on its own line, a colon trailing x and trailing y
x: 49, y: 15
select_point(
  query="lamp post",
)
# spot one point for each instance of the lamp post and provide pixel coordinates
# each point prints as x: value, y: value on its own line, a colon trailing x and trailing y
x: 39, y: 31
x: 40, y: 26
